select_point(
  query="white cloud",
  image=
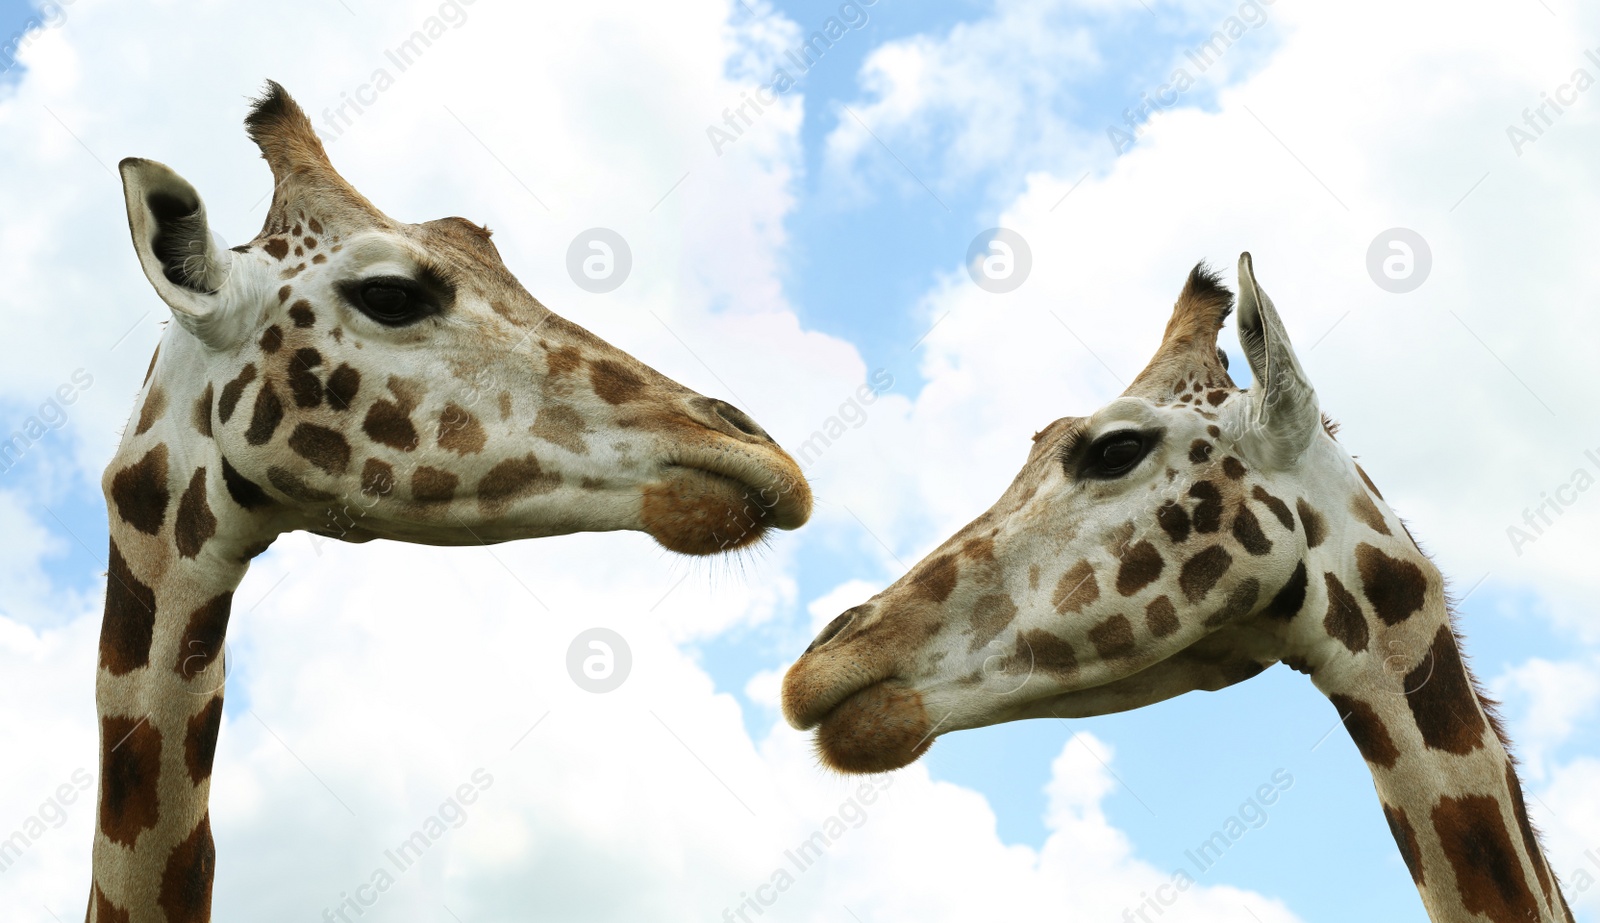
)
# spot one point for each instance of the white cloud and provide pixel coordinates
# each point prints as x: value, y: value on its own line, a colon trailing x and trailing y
x: 1548, y: 699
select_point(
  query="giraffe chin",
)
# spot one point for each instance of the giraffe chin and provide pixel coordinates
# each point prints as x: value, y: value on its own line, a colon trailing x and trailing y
x: 699, y: 512
x: 877, y: 729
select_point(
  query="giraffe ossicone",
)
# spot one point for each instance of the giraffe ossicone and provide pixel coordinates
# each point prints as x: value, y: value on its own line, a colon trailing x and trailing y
x: 1187, y: 536
x: 356, y: 377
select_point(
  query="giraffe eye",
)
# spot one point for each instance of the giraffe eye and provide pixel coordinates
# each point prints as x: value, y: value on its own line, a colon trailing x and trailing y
x: 1115, y: 455
x: 392, y: 301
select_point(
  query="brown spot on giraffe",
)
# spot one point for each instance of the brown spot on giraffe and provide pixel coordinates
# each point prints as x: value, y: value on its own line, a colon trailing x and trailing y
x: 140, y: 491
x: 557, y: 424
x: 277, y: 248
x: 1216, y: 397
x: 294, y: 487
x: 233, y: 390
x: 614, y: 382
x: 1406, y: 839
x: 1199, y: 451
x: 316, y: 228
x: 1118, y: 539
x: 990, y: 615
x: 1247, y: 531
x: 432, y: 485
x: 1279, y: 509
x: 1141, y: 565
x: 1040, y: 650
x: 326, y: 448
x: 513, y: 478
x: 244, y: 491
x: 303, y: 382
x: 1395, y: 587
x: 1201, y: 572
x: 1113, y: 638
x: 1442, y: 700
x: 459, y: 431
x: 1344, y: 621
x: 1312, y: 522
x: 202, y: 412
x: 104, y: 910
x: 266, y: 415
x: 272, y: 339
x: 1530, y: 839
x: 1161, y: 617
x: 1362, y: 507
x: 130, y: 618
x: 937, y: 578
x: 130, y: 775
x: 389, y: 422
x: 151, y: 368
x: 200, y: 743
x: 1207, y: 516
x: 1288, y: 601
x: 377, y: 478
x: 1489, y: 876
x: 1076, y: 589
x: 186, y: 881
x: 195, y: 523
x: 203, y: 636
x: 155, y: 404
x: 1174, y: 520
x: 343, y: 386
x: 300, y: 312
x: 1241, y: 599
x: 1367, y: 730
x: 283, y: 294
x: 1233, y: 468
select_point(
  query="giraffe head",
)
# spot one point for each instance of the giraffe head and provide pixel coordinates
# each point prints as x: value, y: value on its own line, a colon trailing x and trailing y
x: 1146, y: 550
x: 361, y: 377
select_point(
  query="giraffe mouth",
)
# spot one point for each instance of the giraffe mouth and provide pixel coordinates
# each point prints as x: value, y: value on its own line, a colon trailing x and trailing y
x: 878, y: 728
x: 699, y: 509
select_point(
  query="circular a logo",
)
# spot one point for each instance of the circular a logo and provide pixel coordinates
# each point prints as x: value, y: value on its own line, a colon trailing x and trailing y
x: 599, y: 260
x: 599, y: 660
x: 999, y: 260
x: 1399, y: 260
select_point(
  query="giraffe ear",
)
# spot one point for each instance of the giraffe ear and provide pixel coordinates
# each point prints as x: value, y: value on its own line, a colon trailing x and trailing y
x: 176, y: 249
x: 1282, y: 412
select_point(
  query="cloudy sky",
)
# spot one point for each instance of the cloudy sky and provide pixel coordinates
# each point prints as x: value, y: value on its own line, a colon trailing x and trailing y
x: 822, y: 247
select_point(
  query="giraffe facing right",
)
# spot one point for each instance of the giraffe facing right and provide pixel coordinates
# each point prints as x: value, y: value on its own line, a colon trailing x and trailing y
x: 1187, y: 536
x: 361, y: 378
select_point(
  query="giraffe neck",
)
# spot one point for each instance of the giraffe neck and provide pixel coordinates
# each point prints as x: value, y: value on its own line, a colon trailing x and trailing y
x: 180, y: 544
x: 1446, y: 781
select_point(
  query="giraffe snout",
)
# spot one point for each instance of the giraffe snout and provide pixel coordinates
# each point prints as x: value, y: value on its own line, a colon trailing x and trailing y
x: 730, y: 420
x: 833, y: 628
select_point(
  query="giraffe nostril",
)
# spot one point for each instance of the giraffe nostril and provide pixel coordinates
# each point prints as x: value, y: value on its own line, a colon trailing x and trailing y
x: 741, y: 421
x: 834, y: 627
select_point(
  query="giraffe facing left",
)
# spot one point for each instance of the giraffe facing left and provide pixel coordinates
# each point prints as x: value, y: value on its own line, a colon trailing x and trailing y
x: 356, y: 377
